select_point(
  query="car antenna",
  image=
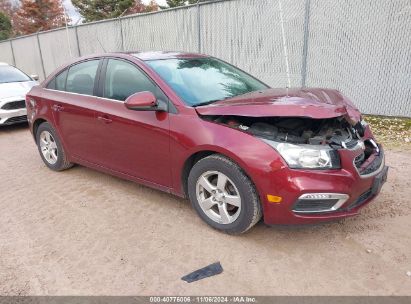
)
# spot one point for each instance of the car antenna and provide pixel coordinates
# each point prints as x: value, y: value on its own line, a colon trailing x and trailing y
x: 287, y: 66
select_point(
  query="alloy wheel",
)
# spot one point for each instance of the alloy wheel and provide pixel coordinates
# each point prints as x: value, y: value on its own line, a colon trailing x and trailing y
x: 218, y: 197
x: 48, y: 147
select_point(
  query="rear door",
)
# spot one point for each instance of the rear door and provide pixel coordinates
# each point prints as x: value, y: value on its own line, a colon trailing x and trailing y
x: 135, y: 143
x: 74, y: 106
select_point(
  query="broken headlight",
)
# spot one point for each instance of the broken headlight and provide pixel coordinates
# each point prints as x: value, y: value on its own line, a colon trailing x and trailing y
x: 307, y: 156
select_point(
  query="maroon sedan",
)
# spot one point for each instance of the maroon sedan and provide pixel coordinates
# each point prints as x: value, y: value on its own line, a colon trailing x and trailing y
x: 198, y: 127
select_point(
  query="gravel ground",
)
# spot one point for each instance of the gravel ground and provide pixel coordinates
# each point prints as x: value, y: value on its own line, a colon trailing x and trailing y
x: 81, y: 232
x: 393, y: 131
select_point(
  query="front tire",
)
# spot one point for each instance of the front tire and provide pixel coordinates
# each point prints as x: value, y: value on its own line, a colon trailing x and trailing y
x: 222, y: 195
x: 51, y: 149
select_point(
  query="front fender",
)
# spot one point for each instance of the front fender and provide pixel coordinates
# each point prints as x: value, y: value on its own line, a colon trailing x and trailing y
x: 256, y: 158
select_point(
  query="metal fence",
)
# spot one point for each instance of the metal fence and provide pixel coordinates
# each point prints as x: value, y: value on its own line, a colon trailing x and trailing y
x: 361, y: 47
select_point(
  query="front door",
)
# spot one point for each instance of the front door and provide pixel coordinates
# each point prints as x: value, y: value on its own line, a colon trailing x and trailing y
x: 135, y: 143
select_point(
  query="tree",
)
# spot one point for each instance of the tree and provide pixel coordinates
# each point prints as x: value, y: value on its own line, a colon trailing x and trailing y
x: 139, y: 7
x: 40, y: 15
x: 175, y: 3
x: 5, y: 26
x: 94, y: 10
x: 6, y: 7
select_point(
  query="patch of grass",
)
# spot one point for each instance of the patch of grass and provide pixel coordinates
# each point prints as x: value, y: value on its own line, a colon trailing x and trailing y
x: 392, y: 131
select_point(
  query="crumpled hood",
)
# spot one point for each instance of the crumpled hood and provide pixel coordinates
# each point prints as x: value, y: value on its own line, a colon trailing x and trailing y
x: 15, y: 89
x: 308, y: 102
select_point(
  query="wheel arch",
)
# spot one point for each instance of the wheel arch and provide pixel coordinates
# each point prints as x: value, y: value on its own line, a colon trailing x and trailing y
x: 198, y: 155
x: 189, y: 163
x: 36, y: 125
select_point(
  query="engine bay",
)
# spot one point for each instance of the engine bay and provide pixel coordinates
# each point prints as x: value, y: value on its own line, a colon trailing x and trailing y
x: 335, y: 132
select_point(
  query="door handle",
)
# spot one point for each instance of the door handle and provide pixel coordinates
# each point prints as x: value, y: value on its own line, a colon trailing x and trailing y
x: 104, y: 119
x: 57, y: 108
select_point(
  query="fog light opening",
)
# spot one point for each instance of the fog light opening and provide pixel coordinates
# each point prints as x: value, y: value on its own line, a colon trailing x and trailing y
x: 319, y: 202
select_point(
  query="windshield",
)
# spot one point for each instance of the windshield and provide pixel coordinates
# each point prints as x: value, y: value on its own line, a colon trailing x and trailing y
x: 12, y: 74
x: 200, y: 81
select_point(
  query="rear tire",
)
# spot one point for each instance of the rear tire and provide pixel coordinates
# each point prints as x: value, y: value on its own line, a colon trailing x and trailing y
x: 223, y: 195
x: 51, y: 150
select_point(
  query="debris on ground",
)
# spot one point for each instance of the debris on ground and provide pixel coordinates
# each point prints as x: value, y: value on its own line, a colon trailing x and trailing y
x: 208, y: 271
x: 409, y: 273
x: 390, y: 130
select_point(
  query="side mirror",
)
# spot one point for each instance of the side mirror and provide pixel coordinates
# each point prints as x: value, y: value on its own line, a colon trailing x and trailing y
x: 34, y: 77
x: 142, y: 101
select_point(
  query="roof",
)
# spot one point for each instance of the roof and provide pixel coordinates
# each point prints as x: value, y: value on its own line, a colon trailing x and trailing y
x: 157, y: 55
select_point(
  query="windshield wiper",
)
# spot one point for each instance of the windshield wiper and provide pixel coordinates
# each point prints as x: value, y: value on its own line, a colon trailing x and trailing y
x: 210, y: 101
x: 215, y: 100
x: 206, y: 103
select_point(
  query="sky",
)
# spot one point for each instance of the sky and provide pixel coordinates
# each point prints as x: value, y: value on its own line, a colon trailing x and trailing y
x: 75, y: 16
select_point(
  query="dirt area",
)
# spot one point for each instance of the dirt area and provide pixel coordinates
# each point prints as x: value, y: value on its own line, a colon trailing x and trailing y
x: 392, y: 131
x: 81, y: 232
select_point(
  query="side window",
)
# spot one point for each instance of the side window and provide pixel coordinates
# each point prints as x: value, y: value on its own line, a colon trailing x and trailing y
x: 58, y: 82
x: 61, y: 81
x: 81, y: 77
x: 124, y: 79
x: 52, y: 84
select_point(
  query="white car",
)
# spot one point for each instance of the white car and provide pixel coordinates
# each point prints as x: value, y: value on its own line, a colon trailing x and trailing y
x: 14, y: 85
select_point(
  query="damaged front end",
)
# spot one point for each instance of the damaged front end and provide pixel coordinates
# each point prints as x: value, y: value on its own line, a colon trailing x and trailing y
x: 333, y: 165
x: 325, y: 146
x: 305, y: 143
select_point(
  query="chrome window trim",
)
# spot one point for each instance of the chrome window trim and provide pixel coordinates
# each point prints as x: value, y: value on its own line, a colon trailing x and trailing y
x: 103, y: 98
x: 78, y: 94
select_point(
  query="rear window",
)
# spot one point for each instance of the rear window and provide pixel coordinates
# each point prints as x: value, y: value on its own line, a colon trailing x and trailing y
x: 81, y: 77
x: 11, y: 74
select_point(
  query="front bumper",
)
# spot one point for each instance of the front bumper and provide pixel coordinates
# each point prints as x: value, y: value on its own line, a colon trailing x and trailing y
x: 360, y: 189
x: 8, y: 117
x: 13, y: 110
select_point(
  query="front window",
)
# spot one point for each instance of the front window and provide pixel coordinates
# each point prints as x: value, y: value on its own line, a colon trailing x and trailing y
x: 124, y: 79
x: 11, y: 74
x: 200, y: 81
